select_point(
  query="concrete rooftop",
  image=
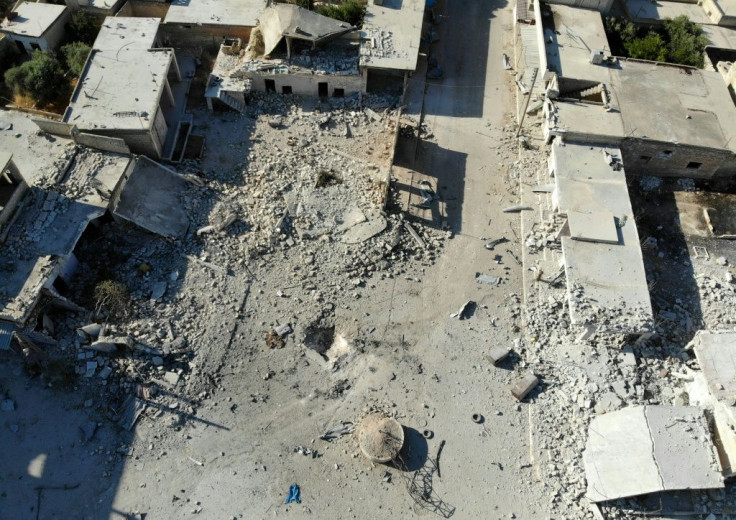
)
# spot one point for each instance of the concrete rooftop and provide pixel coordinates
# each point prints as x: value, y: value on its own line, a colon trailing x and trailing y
x: 610, y: 275
x: 727, y: 6
x: 659, y: 102
x: 645, y: 449
x: 127, y: 32
x: 33, y: 19
x: 391, y: 34
x: 120, y: 89
x: 580, y: 32
x: 243, y: 13
x: 723, y: 37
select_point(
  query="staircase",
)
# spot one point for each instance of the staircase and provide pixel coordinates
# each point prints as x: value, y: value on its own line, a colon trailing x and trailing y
x: 582, y: 94
x: 230, y: 101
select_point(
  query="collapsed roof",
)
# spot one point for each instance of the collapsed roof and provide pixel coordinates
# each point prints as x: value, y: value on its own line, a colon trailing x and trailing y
x: 295, y: 23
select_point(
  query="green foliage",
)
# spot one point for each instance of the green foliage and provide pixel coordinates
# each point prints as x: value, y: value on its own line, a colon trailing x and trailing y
x: 40, y: 78
x: 686, y: 41
x: 679, y: 40
x: 350, y: 11
x: 83, y: 27
x: 75, y: 55
x: 306, y: 4
x: 650, y: 47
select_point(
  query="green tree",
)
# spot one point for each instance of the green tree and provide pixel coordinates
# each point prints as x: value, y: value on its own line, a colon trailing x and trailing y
x: 650, y: 47
x: 75, y: 55
x: 350, y: 11
x: 40, y: 78
x: 83, y: 27
x: 685, y: 41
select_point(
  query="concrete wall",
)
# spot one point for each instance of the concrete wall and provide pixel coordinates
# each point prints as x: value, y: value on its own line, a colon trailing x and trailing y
x: 54, y: 127
x: 642, y: 157
x: 602, y: 6
x: 144, y: 9
x: 200, y: 36
x: 102, y: 142
x: 308, y: 85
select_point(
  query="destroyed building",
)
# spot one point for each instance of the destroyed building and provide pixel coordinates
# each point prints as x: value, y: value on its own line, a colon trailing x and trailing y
x: 291, y: 51
x: 35, y: 26
x: 132, y: 93
x: 668, y: 120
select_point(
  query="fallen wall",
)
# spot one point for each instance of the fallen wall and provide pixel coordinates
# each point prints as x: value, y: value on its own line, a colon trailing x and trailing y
x: 308, y: 85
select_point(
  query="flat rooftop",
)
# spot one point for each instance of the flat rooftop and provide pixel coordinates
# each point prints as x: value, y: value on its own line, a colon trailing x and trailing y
x: 648, y: 11
x: 719, y: 36
x: 606, y: 281
x: 243, y: 13
x: 727, y: 6
x: 576, y: 33
x: 33, y: 19
x: 127, y: 32
x: 36, y: 156
x: 391, y: 34
x: 119, y: 89
x: 660, y: 102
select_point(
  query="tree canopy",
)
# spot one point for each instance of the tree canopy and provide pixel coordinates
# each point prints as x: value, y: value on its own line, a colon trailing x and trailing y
x: 75, y: 55
x: 679, y: 40
x: 40, y: 78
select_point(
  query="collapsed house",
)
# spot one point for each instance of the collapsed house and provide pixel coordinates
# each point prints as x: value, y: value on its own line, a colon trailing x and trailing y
x: 296, y: 51
x: 34, y: 26
x: 49, y: 198
x: 287, y: 54
x: 131, y: 94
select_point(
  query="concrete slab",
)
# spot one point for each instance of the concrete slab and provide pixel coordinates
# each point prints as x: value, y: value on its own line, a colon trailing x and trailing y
x: 716, y: 354
x: 151, y: 199
x: 596, y: 226
x: 391, y: 34
x: 646, y: 449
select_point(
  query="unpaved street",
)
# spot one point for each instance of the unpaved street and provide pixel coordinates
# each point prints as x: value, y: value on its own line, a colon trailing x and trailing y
x: 396, y: 349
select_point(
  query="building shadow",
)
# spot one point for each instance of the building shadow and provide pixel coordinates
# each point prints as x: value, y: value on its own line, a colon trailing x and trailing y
x: 462, y: 53
x: 443, y: 169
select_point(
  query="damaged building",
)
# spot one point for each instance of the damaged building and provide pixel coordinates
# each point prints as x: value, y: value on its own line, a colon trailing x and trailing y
x: 668, y: 120
x: 291, y: 51
x: 296, y: 51
x: 132, y: 92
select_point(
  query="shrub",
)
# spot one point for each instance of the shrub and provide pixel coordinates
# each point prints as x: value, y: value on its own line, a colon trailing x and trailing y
x: 350, y: 11
x: 40, y: 78
x: 75, y: 55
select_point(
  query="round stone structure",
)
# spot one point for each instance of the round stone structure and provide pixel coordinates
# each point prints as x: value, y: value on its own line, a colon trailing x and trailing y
x: 380, y: 437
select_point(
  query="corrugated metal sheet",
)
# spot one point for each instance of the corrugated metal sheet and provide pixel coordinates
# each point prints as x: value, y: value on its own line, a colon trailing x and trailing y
x: 6, y: 334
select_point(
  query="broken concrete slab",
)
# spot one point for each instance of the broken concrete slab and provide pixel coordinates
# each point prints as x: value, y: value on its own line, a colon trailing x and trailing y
x: 594, y: 226
x: 151, y: 199
x: 498, y: 354
x: 364, y: 231
x: 645, y: 449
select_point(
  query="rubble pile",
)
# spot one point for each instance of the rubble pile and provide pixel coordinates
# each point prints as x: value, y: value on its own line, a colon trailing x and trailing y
x: 294, y: 191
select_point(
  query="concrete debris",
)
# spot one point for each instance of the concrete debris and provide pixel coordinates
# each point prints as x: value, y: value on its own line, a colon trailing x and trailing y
x: 344, y: 428
x: 487, y: 279
x: 517, y: 209
x: 465, y: 311
x: 525, y: 385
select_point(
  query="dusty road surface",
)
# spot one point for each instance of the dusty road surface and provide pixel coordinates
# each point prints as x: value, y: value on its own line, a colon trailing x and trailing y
x: 395, y: 347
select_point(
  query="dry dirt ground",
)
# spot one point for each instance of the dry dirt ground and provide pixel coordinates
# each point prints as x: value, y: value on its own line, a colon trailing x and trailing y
x: 232, y: 423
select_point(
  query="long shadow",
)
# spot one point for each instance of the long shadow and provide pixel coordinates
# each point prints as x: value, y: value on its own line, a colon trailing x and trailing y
x: 674, y: 291
x: 462, y: 52
x: 447, y: 168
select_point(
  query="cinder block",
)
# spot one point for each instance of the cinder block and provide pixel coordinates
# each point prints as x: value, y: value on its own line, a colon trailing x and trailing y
x: 498, y: 354
x: 524, y: 386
